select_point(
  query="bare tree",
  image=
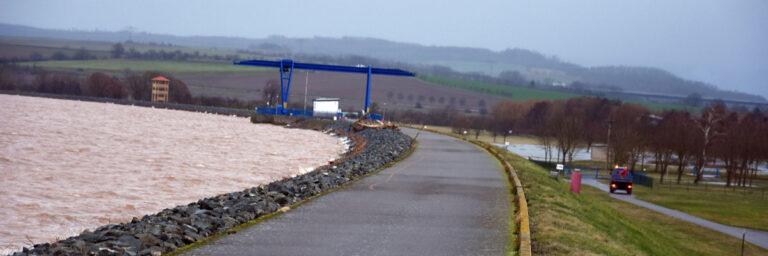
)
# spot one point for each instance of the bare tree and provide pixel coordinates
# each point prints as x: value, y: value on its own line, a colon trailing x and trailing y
x: 271, y: 92
x: 711, y: 125
x: 566, y: 123
x: 103, y: 85
x: 626, y: 138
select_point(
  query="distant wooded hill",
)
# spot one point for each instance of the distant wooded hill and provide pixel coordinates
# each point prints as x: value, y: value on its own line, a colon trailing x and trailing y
x: 531, y: 65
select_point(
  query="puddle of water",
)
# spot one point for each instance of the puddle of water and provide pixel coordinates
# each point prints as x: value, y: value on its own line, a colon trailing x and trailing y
x: 537, y: 151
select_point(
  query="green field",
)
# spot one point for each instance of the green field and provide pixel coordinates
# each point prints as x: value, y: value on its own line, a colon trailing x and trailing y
x: 741, y: 208
x: 657, y: 107
x: 118, y: 65
x: 495, y: 68
x: 519, y: 93
x: 511, y: 92
x: 593, y: 223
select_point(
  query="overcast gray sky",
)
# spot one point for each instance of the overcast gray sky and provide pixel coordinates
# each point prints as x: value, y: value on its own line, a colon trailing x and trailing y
x: 724, y: 42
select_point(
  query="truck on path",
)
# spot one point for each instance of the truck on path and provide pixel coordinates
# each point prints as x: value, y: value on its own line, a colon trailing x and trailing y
x: 621, y: 178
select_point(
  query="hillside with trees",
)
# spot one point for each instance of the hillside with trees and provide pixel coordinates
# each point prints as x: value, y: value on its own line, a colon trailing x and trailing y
x: 517, y: 66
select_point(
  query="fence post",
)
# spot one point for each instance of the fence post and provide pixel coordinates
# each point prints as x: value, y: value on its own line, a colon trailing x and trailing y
x: 743, y: 237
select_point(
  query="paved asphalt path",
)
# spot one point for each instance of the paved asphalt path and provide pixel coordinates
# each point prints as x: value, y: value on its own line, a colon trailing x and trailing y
x: 448, y: 198
x: 759, y: 238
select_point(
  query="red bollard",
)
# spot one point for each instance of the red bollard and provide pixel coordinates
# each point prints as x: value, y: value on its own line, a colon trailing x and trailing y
x: 576, y: 181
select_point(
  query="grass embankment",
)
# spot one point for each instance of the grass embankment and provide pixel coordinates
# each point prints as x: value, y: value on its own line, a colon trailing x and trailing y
x: 119, y: 65
x: 564, y: 223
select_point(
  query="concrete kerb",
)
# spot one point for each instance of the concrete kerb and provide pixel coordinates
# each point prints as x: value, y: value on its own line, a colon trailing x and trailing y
x: 522, y: 218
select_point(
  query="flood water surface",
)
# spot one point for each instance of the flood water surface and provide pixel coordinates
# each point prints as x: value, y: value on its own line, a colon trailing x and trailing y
x: 66, y: 166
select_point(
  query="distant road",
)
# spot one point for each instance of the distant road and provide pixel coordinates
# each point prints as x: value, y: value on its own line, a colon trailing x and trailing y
x: 448, y: 198
x: 757, y: 237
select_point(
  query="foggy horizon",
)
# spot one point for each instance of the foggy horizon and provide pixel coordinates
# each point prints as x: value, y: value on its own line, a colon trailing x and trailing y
x: 718, y: 42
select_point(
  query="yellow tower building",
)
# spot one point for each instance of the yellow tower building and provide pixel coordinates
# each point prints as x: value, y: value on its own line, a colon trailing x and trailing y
x: 160, y: 89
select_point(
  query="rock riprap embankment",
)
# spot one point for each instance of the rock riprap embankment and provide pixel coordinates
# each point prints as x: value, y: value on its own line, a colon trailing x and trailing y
x: 175, y: 227
x: 68, y: 165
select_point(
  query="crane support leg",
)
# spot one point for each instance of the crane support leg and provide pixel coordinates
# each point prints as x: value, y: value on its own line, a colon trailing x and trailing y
x: 367, y: 103
x: 286, y: 74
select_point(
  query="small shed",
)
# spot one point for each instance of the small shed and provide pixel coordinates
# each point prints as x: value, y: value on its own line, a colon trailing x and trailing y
x: 326, y: 107
x: 160, y: 86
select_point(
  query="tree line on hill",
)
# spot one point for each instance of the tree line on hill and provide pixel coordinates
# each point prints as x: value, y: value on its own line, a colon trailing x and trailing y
x: 126, y: 50
x: 717, y: 136
x: 595, y: 79
x: 120, y: 51
x: 131, y: 86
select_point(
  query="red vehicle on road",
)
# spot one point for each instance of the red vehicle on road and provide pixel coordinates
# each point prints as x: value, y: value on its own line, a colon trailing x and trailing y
x: 621, y: 178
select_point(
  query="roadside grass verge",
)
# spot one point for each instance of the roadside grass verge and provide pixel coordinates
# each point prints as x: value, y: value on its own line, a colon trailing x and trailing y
x: 119, y: 65
x: 564, y: 223
x: 734, y: 206
x: 739, y: 208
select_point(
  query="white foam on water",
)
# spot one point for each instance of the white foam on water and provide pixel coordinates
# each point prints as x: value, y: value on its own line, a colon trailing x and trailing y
x: 66, y: 166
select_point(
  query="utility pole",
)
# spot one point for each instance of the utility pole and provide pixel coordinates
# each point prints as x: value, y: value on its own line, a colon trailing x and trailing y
x: 743, y: 237
x: 608, y: 147
x: 306, y: 86
x: 384, y: 116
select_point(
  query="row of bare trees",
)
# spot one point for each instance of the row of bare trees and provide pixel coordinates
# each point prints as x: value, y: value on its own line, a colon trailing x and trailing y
x: 715, y: 137
x: 736, y: 141
x: 129, y: 85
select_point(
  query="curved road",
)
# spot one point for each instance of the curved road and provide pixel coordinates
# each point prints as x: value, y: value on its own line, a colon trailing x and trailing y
x: 448, y: 198
x: 757, y: 237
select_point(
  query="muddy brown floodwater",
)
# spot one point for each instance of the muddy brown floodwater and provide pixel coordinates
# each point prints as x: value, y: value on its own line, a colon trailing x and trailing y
x: 66, y: 166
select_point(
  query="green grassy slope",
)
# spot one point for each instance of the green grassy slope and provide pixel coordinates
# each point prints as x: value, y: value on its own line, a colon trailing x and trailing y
x: 593, y: 223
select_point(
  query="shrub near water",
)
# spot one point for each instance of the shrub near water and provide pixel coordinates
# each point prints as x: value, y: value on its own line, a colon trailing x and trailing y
x: 564, y: 223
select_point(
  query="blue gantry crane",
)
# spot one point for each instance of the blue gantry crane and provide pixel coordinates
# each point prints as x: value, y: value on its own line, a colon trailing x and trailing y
x: 286, y: 67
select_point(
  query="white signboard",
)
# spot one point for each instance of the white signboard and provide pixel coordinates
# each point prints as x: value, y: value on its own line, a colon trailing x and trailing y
x: 559, y: 167
x: 325, y: 107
